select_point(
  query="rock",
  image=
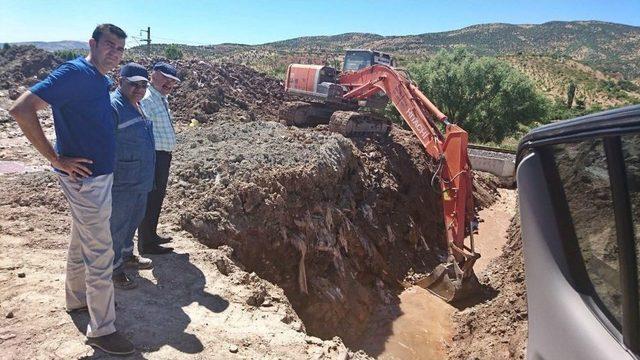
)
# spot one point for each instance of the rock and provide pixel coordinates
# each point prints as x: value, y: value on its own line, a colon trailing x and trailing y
x: 222, y: 267
x: 257, y: 297
x: 233, y: 349
x: 9, y: 315
x: 313, y: 340
x: 7, y: 336
x: 21, y: 275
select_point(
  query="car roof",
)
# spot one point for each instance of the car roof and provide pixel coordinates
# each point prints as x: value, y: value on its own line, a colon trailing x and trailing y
x: 610, y: 121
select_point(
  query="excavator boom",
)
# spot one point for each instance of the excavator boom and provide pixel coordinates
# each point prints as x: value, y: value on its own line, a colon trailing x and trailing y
x: 450, y: 281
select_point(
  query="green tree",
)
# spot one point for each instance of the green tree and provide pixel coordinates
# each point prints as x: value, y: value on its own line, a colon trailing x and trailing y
x: 485, y: 96
x: 5, y: 46
x: 66, y: 54
x: 172, y: 52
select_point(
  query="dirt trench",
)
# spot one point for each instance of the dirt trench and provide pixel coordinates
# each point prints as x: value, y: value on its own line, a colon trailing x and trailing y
x: 337, y: 224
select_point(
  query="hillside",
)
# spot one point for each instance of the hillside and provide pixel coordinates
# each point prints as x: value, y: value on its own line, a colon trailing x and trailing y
x: 56, y: 45
x: 605, y: 46
x: 552, y: 76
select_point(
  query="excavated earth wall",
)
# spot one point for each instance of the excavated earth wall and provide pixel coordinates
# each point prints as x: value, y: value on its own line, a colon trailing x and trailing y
x: 336, y: 223
x: 497, y: 327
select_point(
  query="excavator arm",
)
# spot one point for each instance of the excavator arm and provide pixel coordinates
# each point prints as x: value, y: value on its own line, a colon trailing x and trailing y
x: 455, y: 279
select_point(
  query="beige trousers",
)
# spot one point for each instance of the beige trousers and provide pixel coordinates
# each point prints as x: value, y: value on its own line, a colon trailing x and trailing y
x: 90, y: 256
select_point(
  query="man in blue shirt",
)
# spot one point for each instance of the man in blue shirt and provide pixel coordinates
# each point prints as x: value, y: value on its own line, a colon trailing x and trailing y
x: 133, y: 174
x: 84, y: 156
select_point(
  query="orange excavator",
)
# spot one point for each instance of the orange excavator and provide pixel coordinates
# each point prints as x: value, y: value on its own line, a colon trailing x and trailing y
x: 368, y: 81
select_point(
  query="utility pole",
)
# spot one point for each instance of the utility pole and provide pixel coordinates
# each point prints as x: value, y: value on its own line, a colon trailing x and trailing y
x: 147, y: 40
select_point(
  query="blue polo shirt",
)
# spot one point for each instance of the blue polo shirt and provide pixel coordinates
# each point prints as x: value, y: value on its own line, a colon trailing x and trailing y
x: 79, y: 97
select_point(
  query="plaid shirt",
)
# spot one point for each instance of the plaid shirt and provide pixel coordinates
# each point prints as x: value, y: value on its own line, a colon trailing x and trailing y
x: 156, y: 108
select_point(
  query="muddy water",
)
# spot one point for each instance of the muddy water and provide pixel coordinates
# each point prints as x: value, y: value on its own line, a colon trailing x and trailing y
x: 420, y: 330
x: 421, y: 325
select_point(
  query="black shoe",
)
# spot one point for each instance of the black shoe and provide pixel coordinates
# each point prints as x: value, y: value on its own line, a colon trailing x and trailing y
x: 155, y: 250
x: 112, y: 344
x: 138, y: 262
x: 161, y: 240
x: 122, y: 281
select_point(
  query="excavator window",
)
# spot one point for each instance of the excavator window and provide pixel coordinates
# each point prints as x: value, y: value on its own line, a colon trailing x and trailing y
x: 356, y: 60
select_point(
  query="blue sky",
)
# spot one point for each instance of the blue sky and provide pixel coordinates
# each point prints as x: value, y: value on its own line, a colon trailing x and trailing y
x: 260, y: 21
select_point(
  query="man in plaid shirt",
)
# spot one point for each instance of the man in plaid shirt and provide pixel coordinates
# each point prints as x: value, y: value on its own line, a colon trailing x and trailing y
x: 156, y: 107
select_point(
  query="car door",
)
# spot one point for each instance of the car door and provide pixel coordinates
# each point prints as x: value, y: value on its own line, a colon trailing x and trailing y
x: 579, y: 196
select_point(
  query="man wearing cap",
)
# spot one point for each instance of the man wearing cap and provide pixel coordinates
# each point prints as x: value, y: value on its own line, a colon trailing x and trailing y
x: 156, y: 107
x: 133, y: 173
x: 78, y: 93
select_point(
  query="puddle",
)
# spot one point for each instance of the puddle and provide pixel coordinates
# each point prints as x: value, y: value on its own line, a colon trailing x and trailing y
x: 17, y: 167
x: 419, y: 332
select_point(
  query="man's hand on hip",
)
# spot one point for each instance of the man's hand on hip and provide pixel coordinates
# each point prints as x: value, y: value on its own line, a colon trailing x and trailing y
x: 73, y: 166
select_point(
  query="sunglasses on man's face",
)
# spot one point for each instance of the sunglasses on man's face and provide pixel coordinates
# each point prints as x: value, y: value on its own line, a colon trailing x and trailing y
x: 139, y: 84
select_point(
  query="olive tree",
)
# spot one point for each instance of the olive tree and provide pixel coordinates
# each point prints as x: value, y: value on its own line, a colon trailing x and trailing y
x: 485, y: 96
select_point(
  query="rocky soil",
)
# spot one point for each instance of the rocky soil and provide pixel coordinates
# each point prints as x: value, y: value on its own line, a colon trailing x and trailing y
x: 25, y: 65
x: 497, y: 327
x: 210, y: 91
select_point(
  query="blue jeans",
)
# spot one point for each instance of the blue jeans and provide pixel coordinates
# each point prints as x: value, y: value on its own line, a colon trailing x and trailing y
x: 127, y: 212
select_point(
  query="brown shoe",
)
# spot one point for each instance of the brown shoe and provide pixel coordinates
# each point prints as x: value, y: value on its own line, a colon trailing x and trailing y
x: 114, y: 343
x: 139, y: 262
x: 122, y: 281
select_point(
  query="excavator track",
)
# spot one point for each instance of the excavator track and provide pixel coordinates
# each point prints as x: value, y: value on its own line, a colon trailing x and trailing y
x: 355, y: 124
x: 304, y: 114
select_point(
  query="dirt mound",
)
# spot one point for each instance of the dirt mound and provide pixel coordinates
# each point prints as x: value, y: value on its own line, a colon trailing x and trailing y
x: 25, y: 65
x: 208, y: 89
x: 497, y: 328
x: 337, y: 223
x: 485, y: 189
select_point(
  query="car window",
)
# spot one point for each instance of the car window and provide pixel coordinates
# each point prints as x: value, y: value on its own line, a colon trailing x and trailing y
x: 583, y: 171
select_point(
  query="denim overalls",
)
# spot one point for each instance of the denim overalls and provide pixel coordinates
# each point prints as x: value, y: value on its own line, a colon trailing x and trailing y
x: 133, y: 175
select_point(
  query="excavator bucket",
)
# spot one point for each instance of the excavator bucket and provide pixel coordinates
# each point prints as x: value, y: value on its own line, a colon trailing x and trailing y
x: 444, y: 283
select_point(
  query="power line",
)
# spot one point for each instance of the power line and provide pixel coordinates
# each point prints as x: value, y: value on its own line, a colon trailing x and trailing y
x: 148, y: 39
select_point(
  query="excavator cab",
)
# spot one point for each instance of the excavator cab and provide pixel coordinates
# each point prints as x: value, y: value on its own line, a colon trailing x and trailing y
x: 356, y: 59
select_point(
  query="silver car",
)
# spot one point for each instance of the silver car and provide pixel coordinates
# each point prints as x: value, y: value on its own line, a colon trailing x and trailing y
x: 579, y: 192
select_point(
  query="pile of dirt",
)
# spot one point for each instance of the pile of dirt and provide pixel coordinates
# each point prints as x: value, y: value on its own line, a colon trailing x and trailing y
x: 485, y: 189
x: 497, y: 328
x: 208, y: 89
x: 25, y: 65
